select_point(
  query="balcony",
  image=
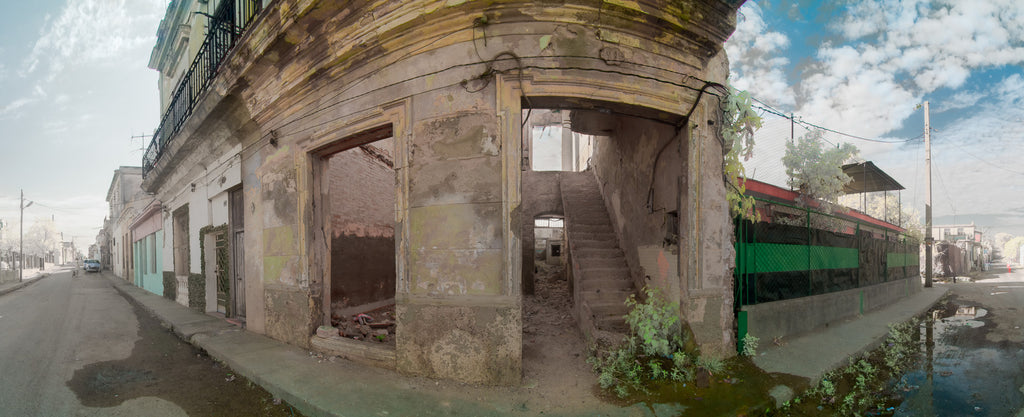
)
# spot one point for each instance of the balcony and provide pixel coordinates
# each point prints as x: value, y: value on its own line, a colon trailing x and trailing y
x: 227, y: 25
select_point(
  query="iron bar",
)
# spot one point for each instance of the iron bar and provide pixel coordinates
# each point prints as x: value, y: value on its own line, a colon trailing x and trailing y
x: 227, y: 25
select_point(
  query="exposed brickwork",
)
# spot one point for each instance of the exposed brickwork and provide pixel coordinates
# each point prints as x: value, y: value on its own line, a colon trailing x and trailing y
x: 362, y: 192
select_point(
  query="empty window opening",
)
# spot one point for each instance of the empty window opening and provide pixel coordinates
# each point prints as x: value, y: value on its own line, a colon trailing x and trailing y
x: 549, y: 235
x: 360, y: 188
x: 552, y: 145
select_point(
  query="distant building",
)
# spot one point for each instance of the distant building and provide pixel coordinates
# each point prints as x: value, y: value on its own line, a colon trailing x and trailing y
x: 971, y: 255
x: 956, y: 232
x: 125, y: 198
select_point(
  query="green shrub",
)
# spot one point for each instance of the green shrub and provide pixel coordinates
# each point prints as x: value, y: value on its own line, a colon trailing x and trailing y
x: 654, y: 350
x: 749, y: 345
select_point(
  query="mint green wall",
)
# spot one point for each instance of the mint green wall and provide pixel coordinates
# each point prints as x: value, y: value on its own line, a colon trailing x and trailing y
x: 150, y: 279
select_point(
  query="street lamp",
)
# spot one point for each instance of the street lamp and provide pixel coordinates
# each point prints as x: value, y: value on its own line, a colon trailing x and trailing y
x: 21, y: 238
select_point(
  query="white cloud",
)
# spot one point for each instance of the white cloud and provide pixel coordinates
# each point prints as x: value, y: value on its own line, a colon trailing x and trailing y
x: 897, y: 52
x: 757, y: 60
x: 884, y: 58
x: 94, y: 31
x: 938, y: 43
x: 15, y: 105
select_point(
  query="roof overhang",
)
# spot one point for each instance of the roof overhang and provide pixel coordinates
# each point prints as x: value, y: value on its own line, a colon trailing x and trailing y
x: 868, y: 178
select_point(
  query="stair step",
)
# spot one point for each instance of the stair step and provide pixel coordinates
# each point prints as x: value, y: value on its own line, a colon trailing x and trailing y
x: 606, y: 295
x: 596, y: 252
x: 579, y: 236
x: 593, y: 244
x: 595, y: 283
x: 611, y: 324
x: 590, y: 263
x: 587, y: 210
x: 608, y: 309
x: 591, y: 228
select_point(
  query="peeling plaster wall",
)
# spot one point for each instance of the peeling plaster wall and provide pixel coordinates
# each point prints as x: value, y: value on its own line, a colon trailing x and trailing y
x: 253, y: 215
x: 290, y: 308
x: 470, y: 343
x: 455, y: 321
x: 626, y: 169
x: 708, y: 291
x: 311, y: 73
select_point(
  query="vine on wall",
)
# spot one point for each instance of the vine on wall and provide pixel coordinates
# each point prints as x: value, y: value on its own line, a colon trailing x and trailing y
x: 739, y: 122
x: 222, y: 249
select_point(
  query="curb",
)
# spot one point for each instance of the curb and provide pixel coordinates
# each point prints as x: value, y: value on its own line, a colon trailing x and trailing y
x: 201, y: 340
x: 880, y: 340
x: 23, y: 284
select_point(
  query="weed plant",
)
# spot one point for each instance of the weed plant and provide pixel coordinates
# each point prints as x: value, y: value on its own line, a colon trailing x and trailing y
x: 863, y: 385
x: 654, y: 349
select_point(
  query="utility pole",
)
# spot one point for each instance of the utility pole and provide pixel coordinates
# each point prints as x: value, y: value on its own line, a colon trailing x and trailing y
x: 928, y: 241
x: 792, y: 138
x: 21, y: 237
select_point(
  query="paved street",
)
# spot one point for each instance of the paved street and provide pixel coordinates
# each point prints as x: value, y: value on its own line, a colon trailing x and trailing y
x: 76, y: 347
x: 975, y: 364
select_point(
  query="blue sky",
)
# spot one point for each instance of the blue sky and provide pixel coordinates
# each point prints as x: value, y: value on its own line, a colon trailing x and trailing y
x: 863, y: 68
x: 74, y: 88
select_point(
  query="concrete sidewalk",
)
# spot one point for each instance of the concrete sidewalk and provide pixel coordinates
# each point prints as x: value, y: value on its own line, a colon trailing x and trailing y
x: 325, y: 386
x: 813, y: 354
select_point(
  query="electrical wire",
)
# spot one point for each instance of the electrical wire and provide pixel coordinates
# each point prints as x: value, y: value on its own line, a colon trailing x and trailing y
x: 987, y: 162
x: 943, y: 184
x: 799, y: 120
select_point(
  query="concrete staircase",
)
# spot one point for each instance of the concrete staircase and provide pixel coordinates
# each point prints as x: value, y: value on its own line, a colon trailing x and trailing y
x: 600, y: 277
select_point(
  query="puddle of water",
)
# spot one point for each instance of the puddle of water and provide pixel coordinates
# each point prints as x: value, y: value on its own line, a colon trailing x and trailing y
x: 960, y: 374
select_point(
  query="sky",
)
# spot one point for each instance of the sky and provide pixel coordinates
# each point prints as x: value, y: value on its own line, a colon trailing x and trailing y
x: 863, y: 68
x: 74, y: 89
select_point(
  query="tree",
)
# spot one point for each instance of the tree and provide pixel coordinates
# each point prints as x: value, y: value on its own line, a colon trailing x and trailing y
x: 890, y: 210
x: 999, y: 240
x: 42, y: 237
x: 817, y: 172
x: 1011, y: 249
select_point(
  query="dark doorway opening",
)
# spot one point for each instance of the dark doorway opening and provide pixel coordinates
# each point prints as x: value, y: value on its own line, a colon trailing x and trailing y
x: 358, y: 184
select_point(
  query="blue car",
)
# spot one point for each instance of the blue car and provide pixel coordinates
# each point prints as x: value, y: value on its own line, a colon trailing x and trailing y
x: 91, y: 265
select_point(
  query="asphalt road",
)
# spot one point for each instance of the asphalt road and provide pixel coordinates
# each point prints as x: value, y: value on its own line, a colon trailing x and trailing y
x: 76, y: 347
x: 56, y: 326
x: 976, y: 362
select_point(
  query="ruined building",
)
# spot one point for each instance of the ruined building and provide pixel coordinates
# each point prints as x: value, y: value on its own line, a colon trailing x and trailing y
x: 320, y: 159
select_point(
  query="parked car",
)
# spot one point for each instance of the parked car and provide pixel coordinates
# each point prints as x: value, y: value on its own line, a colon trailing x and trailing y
x: 92, y: 265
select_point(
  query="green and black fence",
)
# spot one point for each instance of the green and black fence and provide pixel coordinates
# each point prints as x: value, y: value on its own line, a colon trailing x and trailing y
x: 796, y: 252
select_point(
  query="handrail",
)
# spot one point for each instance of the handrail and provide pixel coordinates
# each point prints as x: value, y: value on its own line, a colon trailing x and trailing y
x: 227, y: 25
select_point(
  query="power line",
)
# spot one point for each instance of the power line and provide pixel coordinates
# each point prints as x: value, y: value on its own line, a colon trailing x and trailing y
x: 944, y: 190
x: 799, y: 120
x: 987, y: 162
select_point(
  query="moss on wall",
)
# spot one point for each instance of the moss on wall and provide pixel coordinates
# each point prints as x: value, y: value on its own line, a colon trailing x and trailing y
x: 170, y: 286
x: 197, y: 292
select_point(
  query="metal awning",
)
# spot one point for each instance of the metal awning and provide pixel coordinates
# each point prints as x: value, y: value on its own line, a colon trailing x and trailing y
x: 868, y: 178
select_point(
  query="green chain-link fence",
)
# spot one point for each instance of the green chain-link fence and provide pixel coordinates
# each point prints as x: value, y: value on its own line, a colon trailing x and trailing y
x: 796, y: 252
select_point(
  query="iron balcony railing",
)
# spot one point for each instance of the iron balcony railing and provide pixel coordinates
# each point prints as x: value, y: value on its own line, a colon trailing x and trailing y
x: 227, y: 25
